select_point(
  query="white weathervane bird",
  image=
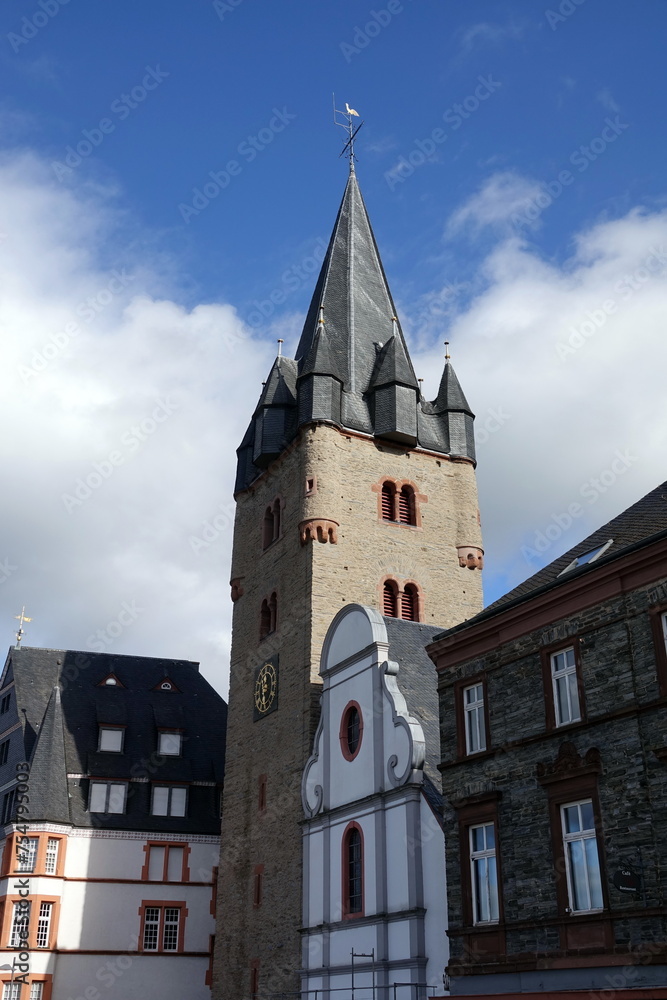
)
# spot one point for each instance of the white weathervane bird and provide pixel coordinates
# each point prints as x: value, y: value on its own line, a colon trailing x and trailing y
x: 351, y: 111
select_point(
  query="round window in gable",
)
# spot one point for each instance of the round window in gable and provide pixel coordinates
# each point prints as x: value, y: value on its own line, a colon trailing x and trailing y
x: 111, y: 682
x: 351, y: 730
x: 166, y: 686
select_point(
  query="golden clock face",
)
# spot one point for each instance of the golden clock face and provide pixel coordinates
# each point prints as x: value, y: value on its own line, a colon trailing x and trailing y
x: 266, y: 687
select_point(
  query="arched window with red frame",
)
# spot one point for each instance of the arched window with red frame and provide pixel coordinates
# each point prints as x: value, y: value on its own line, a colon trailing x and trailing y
x: 406, y: 506
x: 353, y: 871
x: 390, y: 599
x: 410, y: 603
x: 388, y: 501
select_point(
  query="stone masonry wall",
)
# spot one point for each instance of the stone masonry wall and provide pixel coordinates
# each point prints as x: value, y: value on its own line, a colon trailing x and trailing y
x: 618, y: 662
x: 312, y: 581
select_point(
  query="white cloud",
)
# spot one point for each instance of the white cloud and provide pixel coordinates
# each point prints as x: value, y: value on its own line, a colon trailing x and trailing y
x: 563, y: 365
x: 606, y: 99
x: 486, y: 33
x: 134, y: 415
x: 501, y: 197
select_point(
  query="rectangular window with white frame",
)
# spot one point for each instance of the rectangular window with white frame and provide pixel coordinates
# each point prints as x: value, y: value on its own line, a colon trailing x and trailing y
x: 474, y: 718
x: 44, y: 924
x: 169, y: 800
x: 565, y: 686
x: 26, y: 853
x: 37, y: 990
x: 165, y: 863
x: 107, y: 797
x: 11, y: 991
x: 484, y: 874
x: 111, y: 739
x: 584, y: 881
x: 51, y: 859
x: 20, y: 923
x: 169, y: 743
x: 161, y: 926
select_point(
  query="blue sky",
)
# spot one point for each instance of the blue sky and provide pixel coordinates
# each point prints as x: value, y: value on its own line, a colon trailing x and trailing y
x: 513, y: 163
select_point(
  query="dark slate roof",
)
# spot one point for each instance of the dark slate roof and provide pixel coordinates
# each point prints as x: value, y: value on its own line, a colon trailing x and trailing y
x: 417, y: 681
x: 74, y: 712
x: 450, y: 394
x: 393, y: 365
x: 641, y: 523
x: 280, y: 387
x: 49, y: 799
x: 361, y: 346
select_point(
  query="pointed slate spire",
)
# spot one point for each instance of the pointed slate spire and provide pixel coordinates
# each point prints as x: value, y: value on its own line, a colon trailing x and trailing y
x: 394, y: 392
x: 49, y: 798
x: 450, y: 394
x: 353, y: 291
x: 451, y: 406
x: 275, y: 416
x: 393, y: 366
x: 320, y: 381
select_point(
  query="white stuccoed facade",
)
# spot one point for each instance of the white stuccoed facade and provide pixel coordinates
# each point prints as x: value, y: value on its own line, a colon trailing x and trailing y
x: 94, y: 949
x: 382, y: 790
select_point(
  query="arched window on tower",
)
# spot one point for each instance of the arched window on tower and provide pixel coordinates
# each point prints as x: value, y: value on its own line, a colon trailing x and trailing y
x: 353, y: 872
x: 390, y: 599
x: 273, y: 612
x: 271, y: 523
x: 388, y: 501
x: 264, y: 620
x: 410, y: 603
x: 406, y: 506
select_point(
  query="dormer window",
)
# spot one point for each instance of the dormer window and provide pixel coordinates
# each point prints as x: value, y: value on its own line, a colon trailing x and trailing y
x: 111, y: 739
x: 587, y: 557
x: 169, y: 743
x: 165, y: 686
x: 111, y: 682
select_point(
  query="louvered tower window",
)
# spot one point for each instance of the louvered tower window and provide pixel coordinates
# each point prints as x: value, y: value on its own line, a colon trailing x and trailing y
x: 388, y: 494
x: 389, y: 600
x: 406, y: 506
x: 409, y: 604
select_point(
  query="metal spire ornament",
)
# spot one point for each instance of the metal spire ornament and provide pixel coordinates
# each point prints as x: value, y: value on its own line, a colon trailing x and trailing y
x: 350, y: 127
x: 21, y: 619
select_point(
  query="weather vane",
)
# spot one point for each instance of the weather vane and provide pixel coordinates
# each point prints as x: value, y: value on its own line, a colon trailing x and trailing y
x: 21, y: 619
x: 349, y: 115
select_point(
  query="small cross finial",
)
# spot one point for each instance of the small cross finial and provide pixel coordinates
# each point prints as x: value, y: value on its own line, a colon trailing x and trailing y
x: 21, y: 619
x: 447, y: 350
x: 349, y: 115
x: 280, y: 348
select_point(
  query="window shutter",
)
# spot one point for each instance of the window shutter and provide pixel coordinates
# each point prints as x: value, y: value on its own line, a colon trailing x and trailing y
x: 387, y: 502
x: 409, y: 604
x: 406, y: 506
x: 389, y: 601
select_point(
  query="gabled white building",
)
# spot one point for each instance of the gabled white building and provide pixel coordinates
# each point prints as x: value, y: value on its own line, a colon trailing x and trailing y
x: 110, y: 779
x: 374, y: 904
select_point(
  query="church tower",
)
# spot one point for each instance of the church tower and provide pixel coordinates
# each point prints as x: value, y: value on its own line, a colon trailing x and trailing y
x: 350, y: 488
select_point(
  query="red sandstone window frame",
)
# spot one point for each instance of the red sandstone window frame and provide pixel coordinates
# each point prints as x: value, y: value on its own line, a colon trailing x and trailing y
x: 389, y: 492
x: 41, y: 977
x: 399, y: 590
x: 546, y: 654
x: 162, y: 905
x: 343, y: 733
x: 482, y: 810
x: 564, y: 790
x: 348, y: 914
x: 658, y: 618
x: 268, y: 616
x: 167, y: 844
x: 36, y: 902
x: 257, y: 886
x: 10, y: 862
x: 272, y: 523
x: 459, y: 702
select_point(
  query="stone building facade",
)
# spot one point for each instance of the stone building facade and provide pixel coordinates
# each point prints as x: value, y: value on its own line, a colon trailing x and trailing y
x: 351, y: 488
x: 553, y: 708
